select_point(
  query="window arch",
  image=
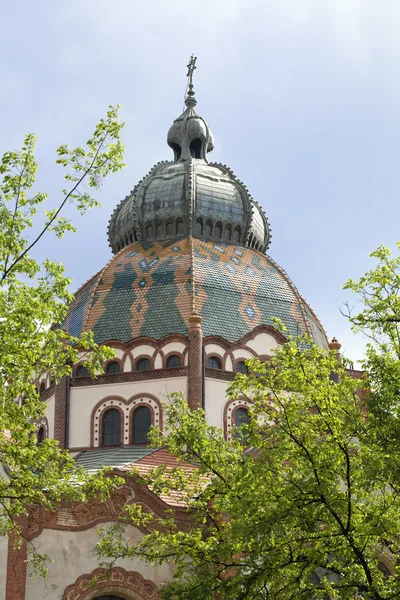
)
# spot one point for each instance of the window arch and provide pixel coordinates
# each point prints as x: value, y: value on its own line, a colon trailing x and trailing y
x: 42, y: 387
x: 241, y: 367
x: 199, y: 227
x: 149, y: 231
x: 82, y: 371
x: 113, y: 368
x: 209, y: 229
x: 170, y: 228
x: 160, y: 230
x: 236, y: 234
x: 228, y: 232
x: 180, y: 227
x: 111, y: 428
x: 173, y: 361
x: 143, y: 364
x: 241, y: 416
x: 41, y: 434
x: 141, y: 423
x: 213, y: 362
x: 218, y: 231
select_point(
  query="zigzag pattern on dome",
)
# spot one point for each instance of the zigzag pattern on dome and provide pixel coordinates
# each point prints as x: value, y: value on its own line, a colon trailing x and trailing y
x: 148, y: 290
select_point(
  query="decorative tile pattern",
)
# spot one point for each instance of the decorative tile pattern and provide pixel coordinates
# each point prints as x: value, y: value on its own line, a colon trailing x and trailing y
x: 146, y: 290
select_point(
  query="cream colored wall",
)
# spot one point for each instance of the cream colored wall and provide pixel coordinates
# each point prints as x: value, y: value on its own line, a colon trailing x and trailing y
x: 51, y: 402
x: 174, y: 347
x: 83, y: 400
x: 158, y: 361
x: 242, y: 353
x: 3, y: 566
x: 74, y: 555
x: 215, y: 400
x: 263, y: 343
x: 214, y: 349
x: 228, y: 363
x: 144, y: 349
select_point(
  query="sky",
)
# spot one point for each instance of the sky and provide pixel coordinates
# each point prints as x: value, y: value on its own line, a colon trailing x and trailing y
x: 302, y: 96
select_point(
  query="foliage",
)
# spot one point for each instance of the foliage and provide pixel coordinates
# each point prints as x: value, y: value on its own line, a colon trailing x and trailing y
x: 33, y: 296
x: 304, y: 502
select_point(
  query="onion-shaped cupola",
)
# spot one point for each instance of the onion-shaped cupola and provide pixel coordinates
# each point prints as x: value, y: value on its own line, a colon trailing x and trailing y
x: 190, y: 196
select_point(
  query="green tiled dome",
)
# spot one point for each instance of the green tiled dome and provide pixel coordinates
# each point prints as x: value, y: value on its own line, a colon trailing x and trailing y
x: 150, y: 289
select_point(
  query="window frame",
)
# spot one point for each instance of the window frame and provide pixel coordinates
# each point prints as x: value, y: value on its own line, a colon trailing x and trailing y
x: 173, y: 355
x: 108, y: 409
x: 140, y: 359
x: 111, y: 363
x: 135, y: 408
x: 217, y: 358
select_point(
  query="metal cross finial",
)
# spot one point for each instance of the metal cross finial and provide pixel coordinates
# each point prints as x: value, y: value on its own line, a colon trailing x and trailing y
x: 191, y: 67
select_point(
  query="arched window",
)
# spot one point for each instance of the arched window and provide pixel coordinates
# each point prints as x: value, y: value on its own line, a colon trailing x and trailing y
x: 179, y: 226
x: 170, y: 228
x: 143, y: 364
x: 177, y: 151
x: 149, y: 231
x: 236, y: 234
x: 141, y: 425
x: 42, y: 387
x: 195, y: 148
x: 199, y: 227
x: 113, y: 368
x: 160, y: 231
x: 218, y: 231
x: 228, y: 232
x: 111, y: 428
x: 213, y: 362
x: 209, y: 228
x: 82, y: 371
x: 241, y: 367
x: 241, y: 417
x: 41, y: 435
x: 173, y: 361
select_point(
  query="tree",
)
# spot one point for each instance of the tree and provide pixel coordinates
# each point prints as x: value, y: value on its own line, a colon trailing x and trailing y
x: 33, y: 297
x: 303, y: 502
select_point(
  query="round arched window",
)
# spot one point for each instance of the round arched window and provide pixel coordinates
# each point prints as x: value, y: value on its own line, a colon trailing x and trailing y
x: 141, y: 425
x: 143, y: 364
x: 41, y: 435
x: 111, y: 428
x: 241, y: 417
x: 241, y: 367
x: 82, y: 371
x: 213, y: 362
x: 113, y: 368
x: 173, y: 361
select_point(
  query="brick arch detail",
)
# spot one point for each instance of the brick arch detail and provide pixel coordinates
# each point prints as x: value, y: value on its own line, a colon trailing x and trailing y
x: 126, y: 408
x: 42, y: 423
x: 229, y: 413
x: 130, y: 584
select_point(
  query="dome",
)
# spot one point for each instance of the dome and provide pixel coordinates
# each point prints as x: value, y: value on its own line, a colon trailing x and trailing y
x: 150, y: 289
x: 189, y: 196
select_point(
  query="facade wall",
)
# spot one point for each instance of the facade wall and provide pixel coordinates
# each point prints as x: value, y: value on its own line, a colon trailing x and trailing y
x: 74, y: 555
x: 84, y: 399
x: 3, y: 566
x: 215, y: 400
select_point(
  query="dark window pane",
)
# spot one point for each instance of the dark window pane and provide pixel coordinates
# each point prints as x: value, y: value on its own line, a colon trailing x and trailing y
x: 113, y: 368
x: 241, y: 417
x: 241, y: 367
x: 214, y: 363
x: 143, y: 364
x: 82, y: 371
x: 41, y: 435
x: 112, y: 428
x: 42, y: 387
x: 141, y: 425
x: 173, y: 361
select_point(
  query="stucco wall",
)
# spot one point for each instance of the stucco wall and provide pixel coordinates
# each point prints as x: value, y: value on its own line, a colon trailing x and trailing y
x: 263, y: 344
x: 50, y: 415
x: 74, y: 555
x: 3, y: 566
x: 215, y: 400
x: 83, y: 400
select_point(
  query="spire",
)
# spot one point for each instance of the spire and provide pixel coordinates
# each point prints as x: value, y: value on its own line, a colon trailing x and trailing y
x: 190, y: 100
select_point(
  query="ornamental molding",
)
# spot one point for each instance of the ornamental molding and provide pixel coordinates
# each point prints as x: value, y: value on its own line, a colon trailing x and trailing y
x: 115, y: 581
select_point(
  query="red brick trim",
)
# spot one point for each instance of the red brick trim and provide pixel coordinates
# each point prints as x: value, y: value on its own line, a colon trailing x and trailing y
x: 229, y: 413
x: 129, y: 584
x: 125, y: 407
x: 16, y: 568
x: 215, y: 339
x: 127, y: 377
x: 220, y: 374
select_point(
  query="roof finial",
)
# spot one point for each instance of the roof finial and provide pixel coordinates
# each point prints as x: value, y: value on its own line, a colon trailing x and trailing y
x: 190, y: 99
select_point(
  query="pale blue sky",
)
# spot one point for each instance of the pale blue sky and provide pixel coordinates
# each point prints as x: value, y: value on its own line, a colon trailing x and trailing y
x: 302, y: 96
